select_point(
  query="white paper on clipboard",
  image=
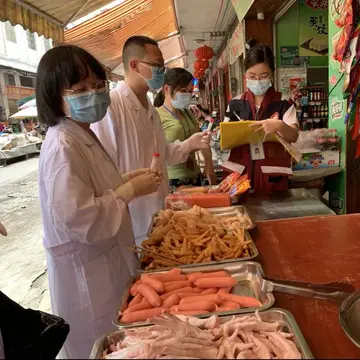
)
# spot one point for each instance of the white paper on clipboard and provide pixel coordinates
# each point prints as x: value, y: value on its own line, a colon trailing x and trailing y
x: 229, y: 165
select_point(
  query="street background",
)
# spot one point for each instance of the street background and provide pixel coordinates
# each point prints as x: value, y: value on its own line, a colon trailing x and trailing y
x: 22, y: 259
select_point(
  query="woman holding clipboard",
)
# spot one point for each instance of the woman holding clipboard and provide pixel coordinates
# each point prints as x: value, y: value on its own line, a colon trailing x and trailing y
x: 267, y: 164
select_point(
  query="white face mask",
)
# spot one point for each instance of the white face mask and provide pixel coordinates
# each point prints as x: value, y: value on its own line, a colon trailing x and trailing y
x: 181, y: 101
x: 258, y: 87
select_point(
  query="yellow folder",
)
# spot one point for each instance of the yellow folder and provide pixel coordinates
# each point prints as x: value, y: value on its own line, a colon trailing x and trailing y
x: 233, y: 134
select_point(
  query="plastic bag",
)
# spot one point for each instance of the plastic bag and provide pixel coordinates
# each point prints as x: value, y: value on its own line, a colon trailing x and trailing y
x: 29, y: 333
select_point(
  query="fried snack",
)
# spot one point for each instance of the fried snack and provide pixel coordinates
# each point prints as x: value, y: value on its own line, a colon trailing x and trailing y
x: 195, y: 236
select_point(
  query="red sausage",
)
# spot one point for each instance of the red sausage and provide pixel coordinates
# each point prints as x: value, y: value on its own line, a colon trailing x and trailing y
x: 197, y: 305
x: 136, y: 300
x: 156, y: 284
x: 188, y: 313
x: 134, y: 290
x: 174, y: 285
x: 172, y: 300
x: 225, y: 290
x: 138, y: 307
x: 142, y: 315
x: 244, y: 301
x: 219, y: 282
x: 198, y: 275
x: 213, y: 298
x: 209, y: 291
x: 150, y: 294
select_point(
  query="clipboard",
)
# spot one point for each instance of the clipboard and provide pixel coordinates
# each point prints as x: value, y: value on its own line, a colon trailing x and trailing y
x: 233, y: 134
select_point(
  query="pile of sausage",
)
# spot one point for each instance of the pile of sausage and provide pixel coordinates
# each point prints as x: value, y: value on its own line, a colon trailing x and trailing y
x: 181, y: 337
x: 193, y: 294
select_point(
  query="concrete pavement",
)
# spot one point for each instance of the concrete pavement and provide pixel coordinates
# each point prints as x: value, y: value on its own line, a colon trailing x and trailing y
x: 23, y: 274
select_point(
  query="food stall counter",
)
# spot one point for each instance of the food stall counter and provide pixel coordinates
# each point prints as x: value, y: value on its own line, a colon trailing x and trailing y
x: 294, y: 203
x: 318, y: 249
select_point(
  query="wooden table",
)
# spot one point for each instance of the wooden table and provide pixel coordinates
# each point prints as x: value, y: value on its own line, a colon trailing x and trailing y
x: 315, y: 249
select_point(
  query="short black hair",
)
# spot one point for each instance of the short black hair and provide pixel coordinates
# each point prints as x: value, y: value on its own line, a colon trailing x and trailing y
x: 259, y: 54
x: 60, y: 68
x: 135, y: 46
x: 176, y: 78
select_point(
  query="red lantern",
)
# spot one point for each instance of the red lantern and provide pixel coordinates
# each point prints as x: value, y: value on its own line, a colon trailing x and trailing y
x: 204, y: 53
x: 197, y: 65
x: 204, y: 64
x: 196, y: 74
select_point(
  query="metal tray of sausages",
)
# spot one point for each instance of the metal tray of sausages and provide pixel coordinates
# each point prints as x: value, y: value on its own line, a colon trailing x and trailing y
x: 250, y: 283
x: 254, y: 252
x: 272, y: 315
x: 229, y: 211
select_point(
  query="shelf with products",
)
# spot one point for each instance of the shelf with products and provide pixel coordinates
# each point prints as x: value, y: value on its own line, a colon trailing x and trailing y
x: 312, y: 108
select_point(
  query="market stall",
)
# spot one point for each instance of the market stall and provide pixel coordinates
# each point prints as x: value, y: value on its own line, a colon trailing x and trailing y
x: 290, y: 255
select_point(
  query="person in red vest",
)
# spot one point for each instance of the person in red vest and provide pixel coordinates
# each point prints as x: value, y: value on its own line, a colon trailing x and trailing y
x: 267, y: 164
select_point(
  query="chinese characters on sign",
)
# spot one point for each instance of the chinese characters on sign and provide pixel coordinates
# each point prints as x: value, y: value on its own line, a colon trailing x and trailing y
x: 313, y: 28
x: 337, y: 109
x: 317, y: 23
x: 237, y: 43
x: 316, y: 4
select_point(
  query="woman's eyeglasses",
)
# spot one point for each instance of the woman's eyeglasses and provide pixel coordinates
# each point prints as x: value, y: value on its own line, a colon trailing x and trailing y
x: 99, y: 86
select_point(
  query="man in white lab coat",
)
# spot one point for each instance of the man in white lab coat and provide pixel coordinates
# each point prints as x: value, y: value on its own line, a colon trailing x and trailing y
x: 131, y: 132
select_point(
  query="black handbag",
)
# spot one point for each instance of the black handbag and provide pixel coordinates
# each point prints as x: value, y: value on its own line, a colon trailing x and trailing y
x: 28, y: 333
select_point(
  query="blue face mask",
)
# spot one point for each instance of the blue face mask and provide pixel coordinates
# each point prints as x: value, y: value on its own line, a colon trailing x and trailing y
x: 258, y: 87
x: 88, y: 107
x: 157, y: 77
x: 181, y: 101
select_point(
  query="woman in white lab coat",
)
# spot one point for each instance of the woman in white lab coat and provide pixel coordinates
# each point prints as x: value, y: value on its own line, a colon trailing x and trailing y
x: 84, y: 199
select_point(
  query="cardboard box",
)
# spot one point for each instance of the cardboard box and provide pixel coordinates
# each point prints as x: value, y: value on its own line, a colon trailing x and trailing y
x: 322, y: 159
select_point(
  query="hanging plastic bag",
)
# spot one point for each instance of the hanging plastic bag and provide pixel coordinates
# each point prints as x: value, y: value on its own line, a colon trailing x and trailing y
x: 29, y: 333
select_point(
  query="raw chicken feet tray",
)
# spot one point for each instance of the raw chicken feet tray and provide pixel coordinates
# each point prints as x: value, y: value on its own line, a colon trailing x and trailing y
x: 250, y: 282
x: 288, y: 322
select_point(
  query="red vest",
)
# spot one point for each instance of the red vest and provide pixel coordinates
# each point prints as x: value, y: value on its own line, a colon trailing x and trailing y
x: 275, y: 154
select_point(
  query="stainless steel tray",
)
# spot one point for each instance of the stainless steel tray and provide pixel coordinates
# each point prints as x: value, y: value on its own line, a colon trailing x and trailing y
x: 250, y: 283
x: 237, y: 210
x: 253, y: 249
x: 270, y: 315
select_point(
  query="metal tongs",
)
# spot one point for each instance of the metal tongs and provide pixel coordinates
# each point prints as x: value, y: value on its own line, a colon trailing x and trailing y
x: 333, y: 291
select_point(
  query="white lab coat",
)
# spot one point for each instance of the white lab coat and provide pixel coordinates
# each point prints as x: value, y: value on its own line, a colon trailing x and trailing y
x: 86, y: 230
x: 131, y: 135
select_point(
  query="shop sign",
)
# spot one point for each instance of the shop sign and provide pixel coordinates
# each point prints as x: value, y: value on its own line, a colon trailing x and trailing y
x: 16, y: 92
x: 289, y: 57
x: 337, y: 109
x: 315, y: 4
x: 313, y: 29
x: 237, y: 44
x: 223, y: 58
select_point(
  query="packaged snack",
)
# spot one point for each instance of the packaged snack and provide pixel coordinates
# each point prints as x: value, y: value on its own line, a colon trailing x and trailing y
x: 229, y: 181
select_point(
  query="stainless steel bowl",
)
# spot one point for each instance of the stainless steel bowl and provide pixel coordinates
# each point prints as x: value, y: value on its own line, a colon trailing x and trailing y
x: 349, y: 316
